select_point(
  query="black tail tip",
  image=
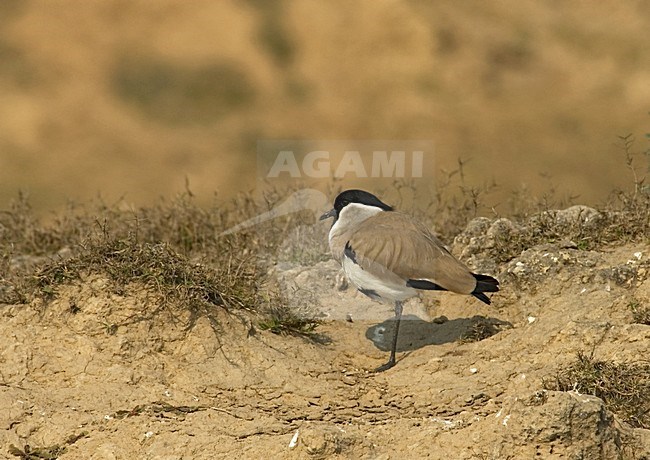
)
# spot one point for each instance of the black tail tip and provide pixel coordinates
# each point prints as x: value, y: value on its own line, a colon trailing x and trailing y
x: 484, y: 283
x: 482, y: 297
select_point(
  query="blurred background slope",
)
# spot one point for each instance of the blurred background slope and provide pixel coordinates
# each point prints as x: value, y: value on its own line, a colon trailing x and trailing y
x: 128, y: 98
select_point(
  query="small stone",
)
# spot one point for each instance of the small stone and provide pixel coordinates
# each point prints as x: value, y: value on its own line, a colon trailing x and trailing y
x: 440, y: 320
x: 294, y: 440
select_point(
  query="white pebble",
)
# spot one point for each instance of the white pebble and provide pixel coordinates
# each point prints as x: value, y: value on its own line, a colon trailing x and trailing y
x: 294, y: 440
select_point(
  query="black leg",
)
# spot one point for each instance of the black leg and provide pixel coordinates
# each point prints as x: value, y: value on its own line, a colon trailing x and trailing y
x: 391, y: 360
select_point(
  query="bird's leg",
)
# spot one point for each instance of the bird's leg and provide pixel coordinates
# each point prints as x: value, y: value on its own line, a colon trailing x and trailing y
x: 391, y: 360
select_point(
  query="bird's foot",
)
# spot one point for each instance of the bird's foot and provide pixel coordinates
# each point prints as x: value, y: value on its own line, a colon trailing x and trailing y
x: 384, y: 367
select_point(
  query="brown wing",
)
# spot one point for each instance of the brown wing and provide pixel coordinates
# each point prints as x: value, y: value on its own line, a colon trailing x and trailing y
x: 393, y: 243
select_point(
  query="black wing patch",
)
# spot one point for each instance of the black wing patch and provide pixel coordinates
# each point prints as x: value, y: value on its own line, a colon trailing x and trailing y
x: 425, y: 284
x: 350, y: 254
x: 485, y: 283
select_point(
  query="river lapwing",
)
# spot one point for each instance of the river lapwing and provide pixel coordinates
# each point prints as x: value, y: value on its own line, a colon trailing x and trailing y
x: 389, y: 256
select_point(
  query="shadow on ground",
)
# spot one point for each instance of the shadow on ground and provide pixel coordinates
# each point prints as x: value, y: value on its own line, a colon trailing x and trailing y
x: 415, y: 333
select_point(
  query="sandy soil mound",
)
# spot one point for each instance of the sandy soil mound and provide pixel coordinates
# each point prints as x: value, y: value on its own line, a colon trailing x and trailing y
x: 87, y: 376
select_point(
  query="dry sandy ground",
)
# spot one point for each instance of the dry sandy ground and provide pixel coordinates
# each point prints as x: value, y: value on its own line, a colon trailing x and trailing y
x: 153, y: 390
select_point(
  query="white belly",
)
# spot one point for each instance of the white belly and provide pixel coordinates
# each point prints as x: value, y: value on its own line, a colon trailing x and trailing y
x: 388, y: 290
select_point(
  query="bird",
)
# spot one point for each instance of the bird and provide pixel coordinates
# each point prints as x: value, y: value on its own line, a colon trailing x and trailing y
x: 389, y: 256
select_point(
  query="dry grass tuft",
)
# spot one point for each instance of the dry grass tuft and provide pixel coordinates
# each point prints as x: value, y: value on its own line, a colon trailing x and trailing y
x: 177, y: 281
x: 482, y: 328
x: 172, y: 249
x: 286, y: 321
x: 640, y: 313
x: 624, y: 387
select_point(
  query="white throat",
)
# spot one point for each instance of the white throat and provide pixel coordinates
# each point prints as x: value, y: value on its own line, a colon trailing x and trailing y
x: 351, y: 217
